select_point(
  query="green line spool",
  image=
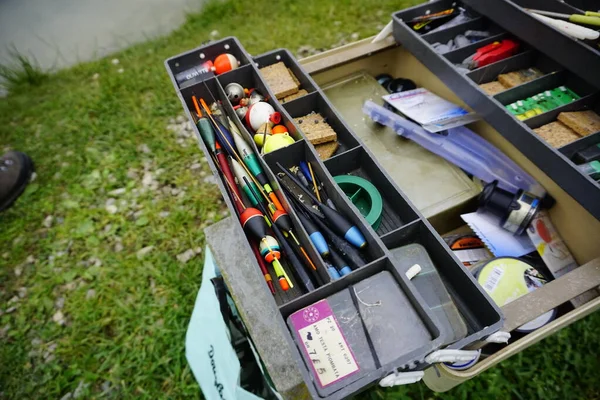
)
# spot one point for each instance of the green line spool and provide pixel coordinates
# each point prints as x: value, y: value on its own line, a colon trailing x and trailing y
x: 364, y: 195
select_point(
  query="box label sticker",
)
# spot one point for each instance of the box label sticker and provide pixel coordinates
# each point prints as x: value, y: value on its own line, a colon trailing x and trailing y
x: 323, y: 343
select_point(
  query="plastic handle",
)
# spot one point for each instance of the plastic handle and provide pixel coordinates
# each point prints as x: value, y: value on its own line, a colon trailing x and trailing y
x: 461, y: 147
x: 401, y: 378
x: 576, y: 31
x: 452, y: 356
x: 592, y: 14
x: 585, y: 19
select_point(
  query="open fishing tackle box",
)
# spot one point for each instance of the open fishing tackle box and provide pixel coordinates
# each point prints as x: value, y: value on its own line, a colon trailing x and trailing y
x: 265, y: 315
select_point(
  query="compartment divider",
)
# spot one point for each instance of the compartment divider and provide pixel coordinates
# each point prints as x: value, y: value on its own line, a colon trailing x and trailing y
x: 316, y: 102
x: 478, y: 24
x: 457, y: 56
x: 546, y: 82
x: 332, y: 287
x: 400, y: 233
x: 528, y: 89
x: 526, y: 59
x: 570, y: 149
x: 578, y: 105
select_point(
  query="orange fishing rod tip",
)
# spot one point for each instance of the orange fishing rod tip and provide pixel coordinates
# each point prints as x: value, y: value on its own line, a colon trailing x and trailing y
x: 195, y: 100
x: 205, y: 106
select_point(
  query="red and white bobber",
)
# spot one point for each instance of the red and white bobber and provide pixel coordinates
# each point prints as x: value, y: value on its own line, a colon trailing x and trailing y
x: 224, y: 63
x: 262, y: 113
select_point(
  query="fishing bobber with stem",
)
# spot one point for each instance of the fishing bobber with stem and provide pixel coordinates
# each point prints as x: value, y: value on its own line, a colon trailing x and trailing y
x: 263, y: 118
x: 249, y: 163
x: 253, y: 221
x: 208, y: 135
x: 283, y: 221
x: 220, y: 132
x: 224, y: 63
x: 288, y: 250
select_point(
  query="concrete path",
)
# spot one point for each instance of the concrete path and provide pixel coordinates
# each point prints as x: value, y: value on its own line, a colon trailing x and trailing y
x: 59, y: 33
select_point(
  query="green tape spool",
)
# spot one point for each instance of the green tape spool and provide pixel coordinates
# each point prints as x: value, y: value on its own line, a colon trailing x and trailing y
x: 364, y: 195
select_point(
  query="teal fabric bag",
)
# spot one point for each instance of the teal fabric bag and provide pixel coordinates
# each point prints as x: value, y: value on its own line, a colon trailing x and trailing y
x: 218, y: 350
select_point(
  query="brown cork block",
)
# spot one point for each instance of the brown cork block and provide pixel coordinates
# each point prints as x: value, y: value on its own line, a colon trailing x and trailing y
x: 492, y: 87
x: 556, y: 134
x: 583, y: 122
x: 315, y: 128
x: 280, y: 80
x: 516, y: 78
x: 326, y: 150
x: 294, y: 96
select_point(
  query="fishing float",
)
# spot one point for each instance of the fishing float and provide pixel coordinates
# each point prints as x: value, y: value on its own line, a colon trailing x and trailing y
x: 230, y: 145
x: 254, y: 223
x: 250, y: 159
x: 245, y: 183
x: 291, y: 256
x: 251, y: 165
x: 208, y: 135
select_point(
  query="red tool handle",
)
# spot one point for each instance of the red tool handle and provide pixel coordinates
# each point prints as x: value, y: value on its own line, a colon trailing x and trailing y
x: 495, y: 52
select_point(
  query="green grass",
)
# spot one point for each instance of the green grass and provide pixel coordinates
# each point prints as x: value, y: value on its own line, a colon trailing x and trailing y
x: 125, y: 317
x: 23, y: 71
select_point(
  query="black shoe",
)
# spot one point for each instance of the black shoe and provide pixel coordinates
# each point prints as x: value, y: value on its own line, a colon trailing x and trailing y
x: 15, y: 171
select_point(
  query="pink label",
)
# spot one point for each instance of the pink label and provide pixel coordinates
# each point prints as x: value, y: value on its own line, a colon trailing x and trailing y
x: 323, y: 343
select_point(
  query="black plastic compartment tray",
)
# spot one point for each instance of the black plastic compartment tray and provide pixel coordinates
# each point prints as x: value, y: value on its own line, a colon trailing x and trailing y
x: 200, y: 90
x: 396, y: 210
x: 360, y: 161
x: 552, y: 161
x: 428, y: 331
x: 581, y: 57
x: 191, y: 58
x: 315, y: 102
x: 481, y: 314
x: 283, y: 55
